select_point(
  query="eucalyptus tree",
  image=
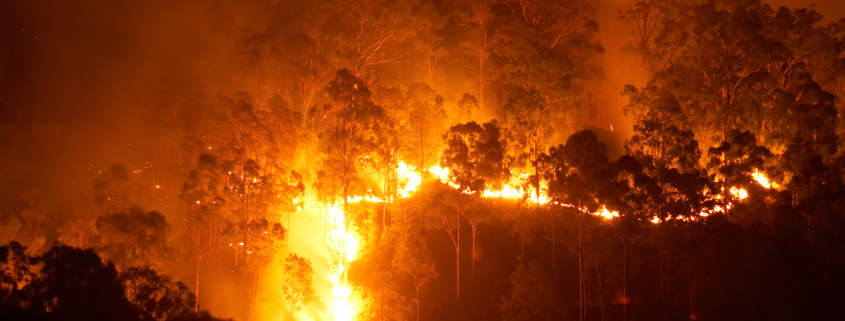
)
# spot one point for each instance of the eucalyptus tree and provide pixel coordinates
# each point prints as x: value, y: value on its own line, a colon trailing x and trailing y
x: 353, y: 144
x: 476, y: 158
x: 579, y: 179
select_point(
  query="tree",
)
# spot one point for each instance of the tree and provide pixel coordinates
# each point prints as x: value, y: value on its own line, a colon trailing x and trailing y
x: 579, y: 179
x: 115, y: 192
x: 80, y: 228
x: 16, y: 277
x: 412, y: 257
x: 75, y: 285
x: 33, y: 217
x: 297, y: 286
x: 548, y: 52
x: 735, y: 162
x: 201, y: 194
x: 427, y: 122
x: 133, y: 238
x: 352, y: 143
x: 428, y: 41
x: 466, y: 107
x: 373, y: 33
x: 475, y: 156
x: 479, y: 40
x: 636, y: 196
x: 532, y: 297
x: 532, y: 123
x: 659, y: 30
x: 156, y: 296
x: 266, y: 238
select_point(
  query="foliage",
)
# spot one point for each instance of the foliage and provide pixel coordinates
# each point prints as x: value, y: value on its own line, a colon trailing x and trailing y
x: 297, y: 287
x: 133, y: 238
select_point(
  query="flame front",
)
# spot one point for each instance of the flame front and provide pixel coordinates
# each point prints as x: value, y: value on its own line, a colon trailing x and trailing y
x: 346, y: 244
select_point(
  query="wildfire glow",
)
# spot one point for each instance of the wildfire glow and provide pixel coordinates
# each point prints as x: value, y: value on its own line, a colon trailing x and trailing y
x: 346, y: 241
x: 739, y: 193
x: 505, y: 192
x: 346, y: 245
x: 763, y: 180
x: 607, y: 214
x: 342, y: 308
x: 412, y: 179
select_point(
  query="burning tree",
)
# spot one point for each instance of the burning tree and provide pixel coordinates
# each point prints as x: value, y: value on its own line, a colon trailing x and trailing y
x: 352, y: 143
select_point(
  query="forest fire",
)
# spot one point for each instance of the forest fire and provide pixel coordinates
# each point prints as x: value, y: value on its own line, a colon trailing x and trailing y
x: 763, y: 180
x: 412, y: 160
x: 345, y: 242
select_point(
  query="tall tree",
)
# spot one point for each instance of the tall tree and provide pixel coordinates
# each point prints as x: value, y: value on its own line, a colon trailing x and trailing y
x: 352, y: 143
x: 579, y: 179
x: 373, y: 34
x: 412, y: 257
x: 659, y: 31
x: 133, y: 238
x: 296, y: 284
x: 475, y: 156
x: 427, y: 122
x: 479, y: 41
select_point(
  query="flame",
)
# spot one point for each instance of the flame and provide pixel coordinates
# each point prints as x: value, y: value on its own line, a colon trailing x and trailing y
x: 412, y: 179
x: 347, y: 243
x: 346, y: 246
x: 342, y: 309
x: 739, y: 193
x: 440, y: 173
x: 608, y: 215
x: 763, y: 180
x: 505, y: 192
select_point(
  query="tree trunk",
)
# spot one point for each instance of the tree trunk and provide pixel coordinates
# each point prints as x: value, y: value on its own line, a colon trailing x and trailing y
x: 417, y: 287
x: 458, y: 262
x: 625, y: 275
x: 474, y: 233
x: 601, y: 293
x: 481, y: 81
x: 581, y: 298
x: 197, y: 302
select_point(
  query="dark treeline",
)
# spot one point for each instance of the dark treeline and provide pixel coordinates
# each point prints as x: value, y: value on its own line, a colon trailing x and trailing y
x: 725, y: 202
x: 67, y: 283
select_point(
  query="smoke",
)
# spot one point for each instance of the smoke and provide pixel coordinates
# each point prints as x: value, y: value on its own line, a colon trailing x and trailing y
x: 88, y: 83
x: 85, y: 84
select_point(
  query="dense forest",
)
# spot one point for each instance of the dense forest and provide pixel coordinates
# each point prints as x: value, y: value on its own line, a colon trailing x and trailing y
x: 321, y: 160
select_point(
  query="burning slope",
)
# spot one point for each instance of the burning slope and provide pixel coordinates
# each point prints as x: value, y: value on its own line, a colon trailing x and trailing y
x: 344, y: 242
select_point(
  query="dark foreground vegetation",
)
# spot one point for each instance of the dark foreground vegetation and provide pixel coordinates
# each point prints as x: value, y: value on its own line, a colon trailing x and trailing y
x: 67, y: 283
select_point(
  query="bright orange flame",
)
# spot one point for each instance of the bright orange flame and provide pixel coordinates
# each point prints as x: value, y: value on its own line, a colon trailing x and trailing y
x: 346, y: 245
x: 763, y: 180
x: 411, y: 178
x: 346, y: 240
x: 608, y: 215
x: 739, y: 193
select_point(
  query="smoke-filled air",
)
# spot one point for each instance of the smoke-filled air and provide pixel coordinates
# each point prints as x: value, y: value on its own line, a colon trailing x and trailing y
x: 411, y: 160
